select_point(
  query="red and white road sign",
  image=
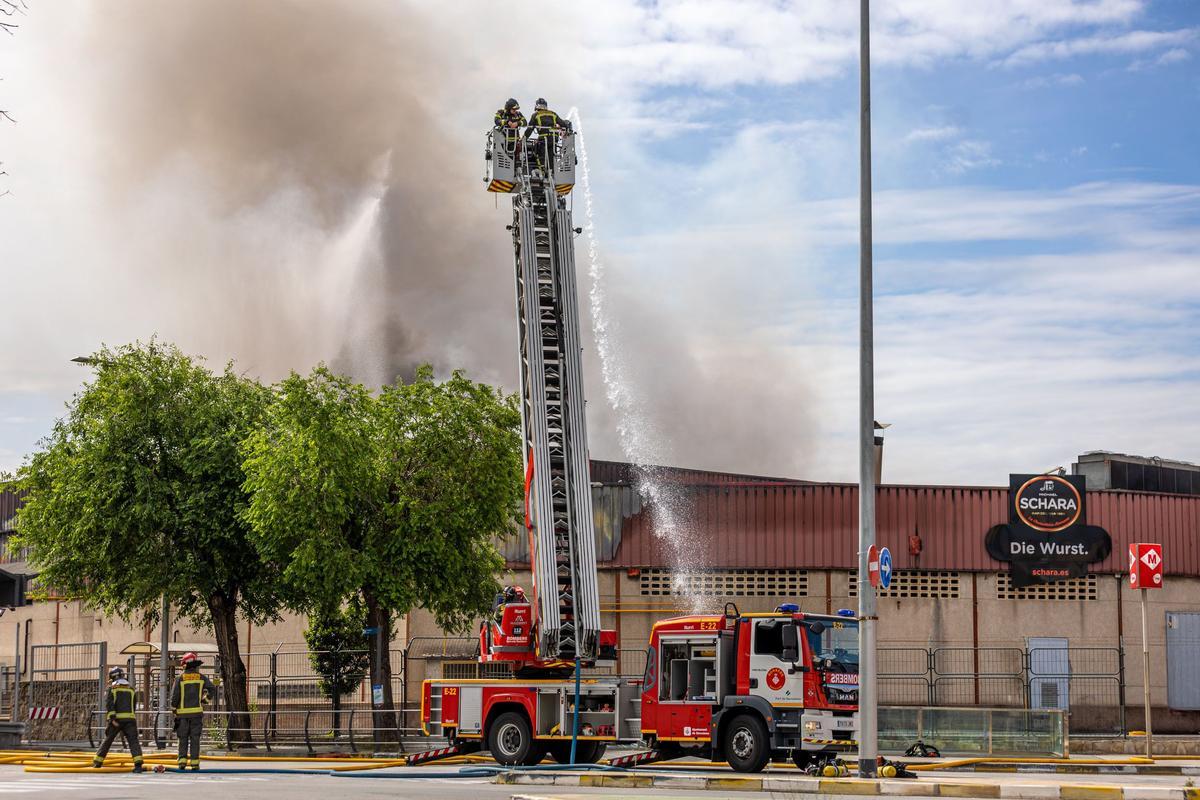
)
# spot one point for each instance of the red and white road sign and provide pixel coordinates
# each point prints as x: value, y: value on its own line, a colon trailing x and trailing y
x: 45, y: 712
x: 1145, y: 566
x: 873, y: 565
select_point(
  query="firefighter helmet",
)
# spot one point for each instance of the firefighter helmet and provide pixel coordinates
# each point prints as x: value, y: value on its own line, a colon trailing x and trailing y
x: 116, y: 673
x: 187, y: 659
x: 541, y: 103
x: 511, y: 104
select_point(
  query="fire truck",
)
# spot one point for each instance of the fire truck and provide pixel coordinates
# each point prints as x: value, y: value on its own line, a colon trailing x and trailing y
x: 746, y: 688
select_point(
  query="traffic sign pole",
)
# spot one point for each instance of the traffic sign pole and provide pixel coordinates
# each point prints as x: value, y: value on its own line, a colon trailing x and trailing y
x: 1146, y: 572
x: 1146, y: 676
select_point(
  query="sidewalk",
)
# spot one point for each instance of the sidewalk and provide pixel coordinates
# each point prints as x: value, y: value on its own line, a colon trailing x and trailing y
x: 928, y: 785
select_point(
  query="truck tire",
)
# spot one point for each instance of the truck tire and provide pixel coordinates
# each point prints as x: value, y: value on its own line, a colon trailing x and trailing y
x: 588, y: 752
x: 747, y: 748
x: 510, y: 740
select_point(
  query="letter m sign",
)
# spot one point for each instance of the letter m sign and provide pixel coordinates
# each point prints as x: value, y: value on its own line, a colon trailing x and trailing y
x: 1145, y: 566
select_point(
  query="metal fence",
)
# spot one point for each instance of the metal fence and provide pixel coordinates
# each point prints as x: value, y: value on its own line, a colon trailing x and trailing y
x: 70, y: 679
x: 1089, y: 682
x: 975, y: 731
x: 290, y: 707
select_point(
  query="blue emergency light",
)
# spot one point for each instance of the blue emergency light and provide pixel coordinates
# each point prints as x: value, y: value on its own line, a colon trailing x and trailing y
x: 845, y: 612
x: 788, y: 608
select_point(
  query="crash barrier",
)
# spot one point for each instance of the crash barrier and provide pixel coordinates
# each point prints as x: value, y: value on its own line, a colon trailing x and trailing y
x: 1089, y: 682
x: 975, y: 731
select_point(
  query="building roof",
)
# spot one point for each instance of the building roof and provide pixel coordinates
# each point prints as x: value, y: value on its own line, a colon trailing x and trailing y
x: 744, y: 524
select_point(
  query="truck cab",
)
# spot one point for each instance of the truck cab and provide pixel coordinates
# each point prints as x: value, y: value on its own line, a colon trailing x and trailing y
x: 749, y: 688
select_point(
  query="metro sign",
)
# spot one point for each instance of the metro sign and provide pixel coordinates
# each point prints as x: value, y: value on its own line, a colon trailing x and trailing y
x: 1145, y: 566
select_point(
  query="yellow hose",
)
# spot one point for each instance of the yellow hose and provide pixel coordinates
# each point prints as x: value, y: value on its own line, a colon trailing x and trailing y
x: 80, y: 770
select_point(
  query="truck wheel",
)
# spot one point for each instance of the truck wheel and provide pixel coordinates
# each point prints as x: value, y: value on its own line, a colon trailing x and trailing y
x: 746, y: 745
x: 510, y: 740
x: 588, y: 752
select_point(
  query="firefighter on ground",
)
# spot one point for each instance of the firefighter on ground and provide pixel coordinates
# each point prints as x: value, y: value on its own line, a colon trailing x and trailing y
x: 548, y: 125
x: 510, y: 120
x: 119, y: 708
x: 191, y: 691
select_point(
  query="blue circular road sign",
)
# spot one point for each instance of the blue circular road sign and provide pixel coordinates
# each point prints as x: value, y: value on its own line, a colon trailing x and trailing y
x: 885, y: 567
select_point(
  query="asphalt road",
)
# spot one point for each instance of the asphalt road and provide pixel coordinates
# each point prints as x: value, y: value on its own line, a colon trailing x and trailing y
x: 14, y: 782
x: 425, y: 782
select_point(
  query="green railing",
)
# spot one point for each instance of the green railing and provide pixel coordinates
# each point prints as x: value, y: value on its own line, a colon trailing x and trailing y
x: 975, y: 731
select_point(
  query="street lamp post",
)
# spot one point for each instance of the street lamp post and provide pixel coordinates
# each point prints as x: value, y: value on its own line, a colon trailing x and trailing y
x: 868, y: 712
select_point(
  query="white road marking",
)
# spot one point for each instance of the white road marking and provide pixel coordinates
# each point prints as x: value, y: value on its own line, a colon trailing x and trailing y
x: 71, y: 783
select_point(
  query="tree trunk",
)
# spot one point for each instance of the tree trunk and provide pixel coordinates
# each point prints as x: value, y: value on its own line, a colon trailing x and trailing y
x: 233, y: 669
x: 384, y: 716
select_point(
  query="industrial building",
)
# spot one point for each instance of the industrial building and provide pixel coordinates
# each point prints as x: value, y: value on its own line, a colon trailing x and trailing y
x: 953, y: 630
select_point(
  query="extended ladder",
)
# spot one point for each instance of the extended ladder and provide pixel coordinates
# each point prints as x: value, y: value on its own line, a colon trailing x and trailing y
x: 558, y: 494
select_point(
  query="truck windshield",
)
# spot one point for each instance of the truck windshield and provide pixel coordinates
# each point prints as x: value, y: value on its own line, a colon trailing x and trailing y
x: 837, y: 644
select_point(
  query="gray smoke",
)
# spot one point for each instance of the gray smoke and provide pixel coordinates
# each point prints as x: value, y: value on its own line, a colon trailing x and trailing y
x: 296, y: 181
x: 328, y: 120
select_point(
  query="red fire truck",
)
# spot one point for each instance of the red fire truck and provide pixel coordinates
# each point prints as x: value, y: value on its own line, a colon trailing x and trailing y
x: 743, y: 688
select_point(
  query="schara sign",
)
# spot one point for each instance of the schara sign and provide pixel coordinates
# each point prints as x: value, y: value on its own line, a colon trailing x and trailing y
x: 1047, y: 537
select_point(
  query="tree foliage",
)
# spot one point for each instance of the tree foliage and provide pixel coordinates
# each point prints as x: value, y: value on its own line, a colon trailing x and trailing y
x: 396, y: 499
x: 400, y: 495
x: 137, y: 493
x: 338, y: 649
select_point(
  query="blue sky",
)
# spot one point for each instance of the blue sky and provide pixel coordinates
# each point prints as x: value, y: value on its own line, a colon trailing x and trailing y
x: 1037, y: 216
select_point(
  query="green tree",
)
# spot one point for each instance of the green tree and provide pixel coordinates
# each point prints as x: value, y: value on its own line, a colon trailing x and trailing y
x: 137, y: 493
x: 338, y: 652
x: 395, y: 498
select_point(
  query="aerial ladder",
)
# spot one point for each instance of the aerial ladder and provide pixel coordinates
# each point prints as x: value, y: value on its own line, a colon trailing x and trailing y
x: 560, y: 624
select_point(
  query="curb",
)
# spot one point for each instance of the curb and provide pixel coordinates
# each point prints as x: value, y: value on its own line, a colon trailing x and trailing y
x: 849, y: 786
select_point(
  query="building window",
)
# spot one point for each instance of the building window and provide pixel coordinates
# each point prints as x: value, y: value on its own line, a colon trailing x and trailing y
x: 726, y: 583
x: 916, y: 583
x: 1072, y: 589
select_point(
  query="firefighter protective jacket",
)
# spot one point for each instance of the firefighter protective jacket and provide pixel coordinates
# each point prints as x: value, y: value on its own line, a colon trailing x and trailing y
x: 191, y: 691
x: 119, y: 704
x: 548, y: 122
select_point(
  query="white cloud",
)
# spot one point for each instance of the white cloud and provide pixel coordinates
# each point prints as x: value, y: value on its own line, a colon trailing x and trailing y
x: 1130, y: 42
x: 970, y: 154
x: 934, y: 134
x: 1175, y: 55
x: 1057, y: 79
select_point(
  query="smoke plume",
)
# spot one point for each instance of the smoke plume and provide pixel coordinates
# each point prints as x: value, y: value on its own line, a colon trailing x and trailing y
x: 288, y: 182
x: 309, y: 142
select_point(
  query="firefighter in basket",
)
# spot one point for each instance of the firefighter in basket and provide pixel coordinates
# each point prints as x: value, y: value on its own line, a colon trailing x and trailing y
x: 549, y: 126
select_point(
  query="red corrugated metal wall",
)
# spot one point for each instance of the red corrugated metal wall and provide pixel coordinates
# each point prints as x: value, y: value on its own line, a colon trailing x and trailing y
x: 816, y: 526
